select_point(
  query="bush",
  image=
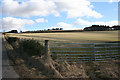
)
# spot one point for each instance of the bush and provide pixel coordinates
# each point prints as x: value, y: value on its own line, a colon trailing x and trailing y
x: 4, y: 33
x: 31, y: 47
x: 12, y: 39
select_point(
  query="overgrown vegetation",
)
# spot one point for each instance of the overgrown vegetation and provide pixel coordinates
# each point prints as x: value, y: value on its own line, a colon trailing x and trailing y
x: 31, y: 47
x: 35, y: 67
x: 28, y: 46
x: 12, y: 39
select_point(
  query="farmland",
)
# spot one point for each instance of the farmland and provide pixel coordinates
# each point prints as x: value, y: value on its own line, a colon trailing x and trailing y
x: 86, y: 70
x: 72, y: 37
x: 80, y: 37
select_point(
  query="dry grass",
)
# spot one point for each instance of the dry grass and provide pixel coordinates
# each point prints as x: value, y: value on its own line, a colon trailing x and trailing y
x: 94, y: 36
x: 35, y: 67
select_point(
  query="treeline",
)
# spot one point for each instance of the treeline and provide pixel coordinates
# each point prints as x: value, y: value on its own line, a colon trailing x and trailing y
x: 101, y: 28
x: 12, y: 31
x: 55, y: 29
x: 52, y: 31
x: 91, y: 28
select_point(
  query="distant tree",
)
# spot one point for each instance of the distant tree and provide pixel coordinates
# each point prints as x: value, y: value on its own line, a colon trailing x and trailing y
x: 20, y: 31
x: 13, y: 31
x: 53, y: 29
x: 97, y: 28
x: 57, y: 28
x: 116, y: 27
x: 48, y: 29
x: 61, y: 28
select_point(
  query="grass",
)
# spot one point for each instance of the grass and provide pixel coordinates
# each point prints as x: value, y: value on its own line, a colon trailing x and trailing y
x: 32, y: 68
x: 28, y: 64
x: 75, y: 37
x: 80, y: 37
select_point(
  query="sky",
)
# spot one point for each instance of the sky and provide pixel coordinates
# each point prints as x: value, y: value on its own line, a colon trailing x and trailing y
x: 32, y: 15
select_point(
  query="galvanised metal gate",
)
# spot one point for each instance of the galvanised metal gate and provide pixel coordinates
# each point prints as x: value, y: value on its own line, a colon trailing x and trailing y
x: 84, y: 52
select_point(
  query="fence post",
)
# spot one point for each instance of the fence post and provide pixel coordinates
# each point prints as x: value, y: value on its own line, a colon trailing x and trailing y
x: 90, y: 59
x: 47, y: 50
x: 94, y: 51
x: 105, y: 52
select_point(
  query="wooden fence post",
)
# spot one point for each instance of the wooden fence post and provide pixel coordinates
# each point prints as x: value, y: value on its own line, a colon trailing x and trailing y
x: 94, y: 52
x: 105, y: 52
x: 47, y: 50
x: 90, y: 59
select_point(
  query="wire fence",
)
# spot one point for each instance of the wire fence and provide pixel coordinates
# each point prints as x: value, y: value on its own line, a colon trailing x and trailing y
x: 84, y: 52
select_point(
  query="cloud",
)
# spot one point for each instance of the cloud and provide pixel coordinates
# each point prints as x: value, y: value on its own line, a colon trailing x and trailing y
x: 88, y: 23
x: 77, y: 8
x: 65, y: 26
x: 10, y: 23
x: 41, y: 20
x: 29, y: 8
x: 73, y: 8
x: 110, y: 1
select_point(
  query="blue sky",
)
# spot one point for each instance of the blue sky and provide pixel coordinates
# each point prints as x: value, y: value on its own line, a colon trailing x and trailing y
x: 108, y: 10
x: 45, y: 14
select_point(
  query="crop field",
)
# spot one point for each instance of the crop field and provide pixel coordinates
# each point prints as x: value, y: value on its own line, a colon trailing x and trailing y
x: 75, y: 37
x: 79, y: 37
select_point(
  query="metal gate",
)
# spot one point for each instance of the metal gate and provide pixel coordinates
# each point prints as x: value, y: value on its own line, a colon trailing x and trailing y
x: 84, y: 52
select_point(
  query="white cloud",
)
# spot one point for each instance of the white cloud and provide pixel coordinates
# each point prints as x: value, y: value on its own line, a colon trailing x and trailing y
x: 41, y: 20
x: 74, y: 8
x: 77, y: 8
x: 88, y: 23
x: 103, y: 0
x: 10, y: 23
x: 110, y: 1
x: 29, y: 8
x: 65, y: 26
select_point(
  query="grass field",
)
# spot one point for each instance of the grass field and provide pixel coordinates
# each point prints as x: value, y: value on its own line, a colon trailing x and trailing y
x: 73, y: 37
x: 99, y: 70
x: 80, y: 37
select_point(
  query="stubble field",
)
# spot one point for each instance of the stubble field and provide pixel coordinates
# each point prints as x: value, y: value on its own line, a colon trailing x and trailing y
x: 80, y: 37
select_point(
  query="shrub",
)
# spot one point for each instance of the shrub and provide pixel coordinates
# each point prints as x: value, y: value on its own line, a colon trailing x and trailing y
x: 31, y: 47
x: 12, y: 39
x: 4, y: 33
